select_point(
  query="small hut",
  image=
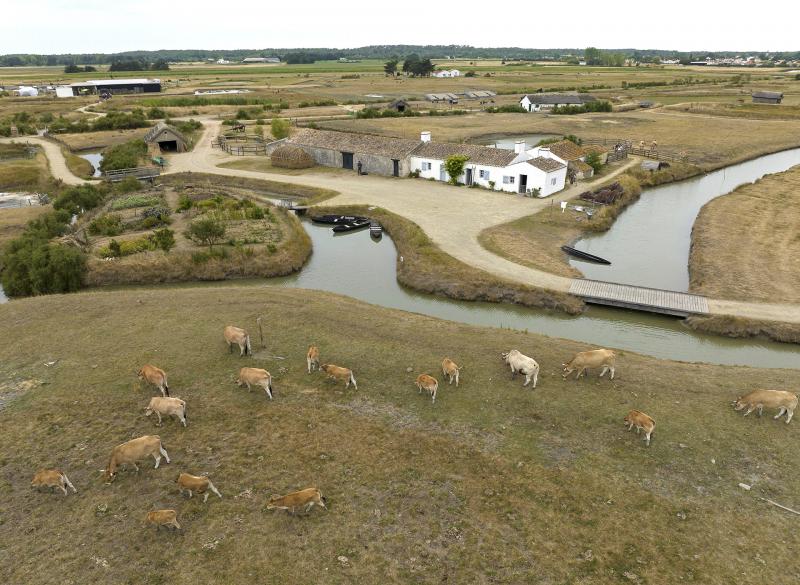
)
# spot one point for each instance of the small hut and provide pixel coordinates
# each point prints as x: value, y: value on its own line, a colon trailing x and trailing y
x: 165, y: 138
x: 399, y: 106
x: 288, y: 156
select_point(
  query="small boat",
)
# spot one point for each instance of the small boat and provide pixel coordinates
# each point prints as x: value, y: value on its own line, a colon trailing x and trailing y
x: 375, y: 230
x: 351, y: 226
x: 584, y: 255
x: 336, y: 219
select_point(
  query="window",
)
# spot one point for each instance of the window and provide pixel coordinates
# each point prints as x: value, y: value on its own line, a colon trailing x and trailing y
x: 508, y: 180
x: 553, y: 181
x: 426, y: 166
x: 483, y: 175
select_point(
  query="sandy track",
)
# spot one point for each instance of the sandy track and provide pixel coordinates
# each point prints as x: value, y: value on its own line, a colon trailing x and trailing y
x: 55, y: 158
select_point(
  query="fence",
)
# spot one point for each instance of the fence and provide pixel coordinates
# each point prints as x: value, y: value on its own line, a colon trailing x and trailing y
x: 241, y: 144
x: 141, y: 173
x: 627, y: 147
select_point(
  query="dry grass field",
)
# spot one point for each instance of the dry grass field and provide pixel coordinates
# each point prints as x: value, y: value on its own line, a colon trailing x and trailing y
x: 98, y: 140
x: 745, y: 245
x: 492, y: 484
x: 26, y: 174
x: 13, y: 220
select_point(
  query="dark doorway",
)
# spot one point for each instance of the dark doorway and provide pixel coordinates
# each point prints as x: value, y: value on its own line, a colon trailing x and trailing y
x: 168, y: 145
x: 523, y: 183
x: 469, y: 177
x: 347, y: 160
x: 395, y: 168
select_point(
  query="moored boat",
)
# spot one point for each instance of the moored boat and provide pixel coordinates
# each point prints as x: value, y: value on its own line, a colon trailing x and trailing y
x: 584, y: 255
x: 351, y: 226
x: 375, y: 230
x: 336, y: 219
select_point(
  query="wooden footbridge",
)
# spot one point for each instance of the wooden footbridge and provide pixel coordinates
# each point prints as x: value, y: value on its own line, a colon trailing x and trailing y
x: 639, y: 298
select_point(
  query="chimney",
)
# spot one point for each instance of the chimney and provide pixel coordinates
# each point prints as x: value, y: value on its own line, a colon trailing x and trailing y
x: 520, y: 146
x: 425, y: 136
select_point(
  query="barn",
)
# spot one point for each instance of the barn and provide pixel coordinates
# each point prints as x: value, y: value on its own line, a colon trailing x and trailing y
x: 165, y: 138
x: 116, y: 86
x: 767, y: 97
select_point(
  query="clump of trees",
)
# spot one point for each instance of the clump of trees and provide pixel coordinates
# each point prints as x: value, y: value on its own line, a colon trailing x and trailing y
x: 417, y: 67
x: 113, y: 121
x: 597, y: 106
x: 72, y: 68
x: 123, y: 156
x: 139, y: 65
x: 594, y: 56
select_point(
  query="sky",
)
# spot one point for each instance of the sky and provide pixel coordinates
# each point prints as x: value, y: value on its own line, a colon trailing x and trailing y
x: 108, y: 26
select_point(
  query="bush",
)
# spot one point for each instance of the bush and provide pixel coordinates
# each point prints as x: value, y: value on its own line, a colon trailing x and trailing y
x: 255, y: 213
x: 596, y: 106
x: 75, y: 200
x: 593, y: 160
x: 123, y: 156
x: 507, y: 109
x: 163, y: 239
x: 128, y: 185
x: 207, y: 231
x: 185, y: 202
x: 311, y: 104
x: 279, y: 128
x: 156, y: 114
x: 133, y: 201
x: 454, y: 165
x: 109, y: 224
x: 117, y: 249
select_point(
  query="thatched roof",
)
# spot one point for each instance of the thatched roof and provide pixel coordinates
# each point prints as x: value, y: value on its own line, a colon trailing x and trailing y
x: 566, y: 150
x: 288, y: 156
x: 395, y: 148
x: 587, y: 148
x: 547, y: 165
x: 161, y: 132
x: 481, y: 155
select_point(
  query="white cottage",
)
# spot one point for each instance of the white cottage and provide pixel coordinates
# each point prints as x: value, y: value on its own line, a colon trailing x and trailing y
x: 447, y: 73
x: 538, y: 102
x: 512, y: 171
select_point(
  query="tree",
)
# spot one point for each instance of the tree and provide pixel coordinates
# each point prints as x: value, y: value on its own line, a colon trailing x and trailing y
x: 469, y: 73
x: 390, y: 67
x: 593, y: 160
x: 454, y: 165
x: 279, y: 128
x: 164, y: 239
x: 410, y: 63
x: 207, y: 231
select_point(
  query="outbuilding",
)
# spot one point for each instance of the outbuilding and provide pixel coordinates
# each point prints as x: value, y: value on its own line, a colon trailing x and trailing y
x: 165, y: 138
x: 116, y: 86
x: 767, y: 97
x: 538, y: 102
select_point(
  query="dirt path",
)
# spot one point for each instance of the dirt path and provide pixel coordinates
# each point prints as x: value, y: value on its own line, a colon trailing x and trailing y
x: 55, y: 159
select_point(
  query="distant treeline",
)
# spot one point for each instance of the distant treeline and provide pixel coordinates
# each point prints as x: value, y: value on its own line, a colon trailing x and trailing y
x: 309, y: 55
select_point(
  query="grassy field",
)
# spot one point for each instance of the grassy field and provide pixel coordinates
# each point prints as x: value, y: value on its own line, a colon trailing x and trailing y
x: 12, y: 221
x: 493, y: 484
x: 26, y: 174
x: 745, y: 245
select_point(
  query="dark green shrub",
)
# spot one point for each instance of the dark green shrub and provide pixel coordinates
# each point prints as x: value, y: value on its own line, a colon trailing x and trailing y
x: 185, y: 202
x: 123, y: 156
x: 164, y: 239
x: 109, y: 224
x: 206, y: 231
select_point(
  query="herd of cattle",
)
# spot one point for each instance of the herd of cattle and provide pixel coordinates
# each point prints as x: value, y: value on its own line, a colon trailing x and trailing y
x: 135, y: 450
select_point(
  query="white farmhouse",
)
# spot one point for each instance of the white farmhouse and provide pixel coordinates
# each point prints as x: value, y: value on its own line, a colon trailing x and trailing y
x: 538, y: 102
x: 512, y: 171
x: 447, y: 73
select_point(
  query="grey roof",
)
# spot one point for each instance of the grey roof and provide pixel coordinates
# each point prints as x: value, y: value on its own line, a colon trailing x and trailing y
x: 395, y: 148
x: 479, y: 93
x: 96, y: 82
x: 546, y: 164
x: 439, y: 97
x: 482, y: 155
x: 575, y: 99
x: 774, y: 95
x: 157, y: 130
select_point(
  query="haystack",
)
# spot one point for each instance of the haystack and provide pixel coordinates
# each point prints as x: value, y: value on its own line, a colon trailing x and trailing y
x: 292, y: 157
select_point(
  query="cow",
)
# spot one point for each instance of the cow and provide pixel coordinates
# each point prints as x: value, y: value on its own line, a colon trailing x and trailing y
x: 240, y: 337
x: 522, y: 364
x: 155, y: 376
x: 163, y: 518
x: 167, y: 407
x: 196, y: 484
x: 450, y: 370
x: 339, y: 373
x: 52, y: 478
x: 307, y: 498
x: 641, y: 421
x: 429, y: 383
x: 784, y: 401
x: 256, y: 377
x: 596, y: 358
x: 312, y: 358
x: 133, y: 451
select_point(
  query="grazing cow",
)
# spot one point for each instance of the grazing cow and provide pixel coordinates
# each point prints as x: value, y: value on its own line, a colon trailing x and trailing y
x: 133, y: 451
x: 450, y: 370
x: 256, y: 377
x: 338, y: 373
x: 596, y: 358
x: 784, y: 401
x: 52, y: 478
x: 167, y: 407
x: 196, y: 484
x: 312, y: 358
x: 239, y: 337
x: 307, y: 498
x: 155, y: 376
x: 429, y: 383
x: 163, y: 518
x: 641, y: 421
x: 522, y: 364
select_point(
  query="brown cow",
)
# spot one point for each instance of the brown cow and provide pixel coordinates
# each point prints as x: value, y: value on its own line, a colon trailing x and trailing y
x: 196, y: 484
x: 155, y: 376
x: 256, y: 377
x: 52, y: 478
x: 429, y: 383
x: 641, y: 421
x: 167, y: 407
x: 339, y: 373
x: 784, y: 401
x: 312, y: 358
x: 308, y: 497
x: 450, y: 370
x: 595, y: 358
x: 238, y: 336
x: 163, y: 518
x: 133, y: 451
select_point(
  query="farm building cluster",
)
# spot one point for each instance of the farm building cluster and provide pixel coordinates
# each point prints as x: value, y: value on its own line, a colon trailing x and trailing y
x: 536, y: 171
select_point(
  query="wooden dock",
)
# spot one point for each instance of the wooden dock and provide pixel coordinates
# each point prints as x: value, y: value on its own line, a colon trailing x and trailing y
x: 639, y: 298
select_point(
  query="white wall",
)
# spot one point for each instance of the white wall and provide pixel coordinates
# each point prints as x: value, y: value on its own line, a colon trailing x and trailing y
x: 545, y: 152
x: 547, y: 182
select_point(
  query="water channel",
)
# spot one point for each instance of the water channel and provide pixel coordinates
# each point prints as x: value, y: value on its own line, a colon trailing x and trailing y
x: 95, y: 158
